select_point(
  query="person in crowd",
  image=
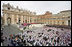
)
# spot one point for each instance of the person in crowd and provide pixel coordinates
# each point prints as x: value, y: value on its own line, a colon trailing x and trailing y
x: 48, y: 37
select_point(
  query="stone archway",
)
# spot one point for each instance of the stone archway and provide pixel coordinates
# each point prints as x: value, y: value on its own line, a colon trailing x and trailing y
x: 8, y: 20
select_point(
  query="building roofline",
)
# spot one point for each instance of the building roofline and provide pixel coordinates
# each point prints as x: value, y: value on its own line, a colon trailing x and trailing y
x: 65, y: 11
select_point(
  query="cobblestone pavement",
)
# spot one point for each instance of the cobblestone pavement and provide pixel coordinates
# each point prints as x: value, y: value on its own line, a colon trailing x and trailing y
x: 7, y: 31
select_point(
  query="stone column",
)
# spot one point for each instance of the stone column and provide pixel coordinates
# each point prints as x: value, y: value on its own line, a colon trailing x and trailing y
x: 17, y: 19
x: 24, y: 19
x: 52, y: 22
x: 21, y: 19
x: 48, y: 21
x: 5, y: 19
x: 12, y: 19
x: 60, y: 22
x: 56, y: 23
x: 28, y: 19
x: 66, y: 23
x: 32, y: 19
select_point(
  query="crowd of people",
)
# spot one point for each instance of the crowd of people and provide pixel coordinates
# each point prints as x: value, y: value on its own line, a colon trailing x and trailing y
x: 2, y: 38
x: 42, y: 36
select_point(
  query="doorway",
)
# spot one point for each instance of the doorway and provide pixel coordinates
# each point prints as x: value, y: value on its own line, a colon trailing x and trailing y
x: 68, y: 22
x: 8, y: 20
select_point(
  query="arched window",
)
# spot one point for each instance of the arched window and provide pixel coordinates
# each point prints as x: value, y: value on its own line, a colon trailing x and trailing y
x: 8, y: 8
x: 23, y: 21
x: 63, y: 23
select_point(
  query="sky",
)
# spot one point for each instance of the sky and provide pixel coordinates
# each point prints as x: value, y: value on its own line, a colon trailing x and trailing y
x: 40, y: 7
